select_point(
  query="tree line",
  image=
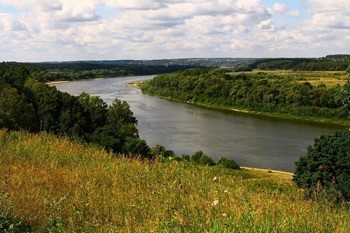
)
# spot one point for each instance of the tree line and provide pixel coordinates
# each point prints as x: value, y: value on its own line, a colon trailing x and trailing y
x: 26, y: 103
x: 46, y: 72
x: 253, y: 91
x: 329, y: 63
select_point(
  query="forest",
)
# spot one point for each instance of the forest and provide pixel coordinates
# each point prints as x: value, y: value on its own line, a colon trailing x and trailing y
x: 27, y: 104
x: 328, y: 63
x: 68, y: 71
x: 259, y: 91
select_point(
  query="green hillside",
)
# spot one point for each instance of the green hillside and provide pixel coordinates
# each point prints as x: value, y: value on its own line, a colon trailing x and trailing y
x: 51, y: 184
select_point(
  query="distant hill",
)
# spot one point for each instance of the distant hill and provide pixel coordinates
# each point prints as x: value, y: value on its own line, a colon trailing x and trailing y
x: 338, y: 56
x: 107, y: 64
x: 328, y: 63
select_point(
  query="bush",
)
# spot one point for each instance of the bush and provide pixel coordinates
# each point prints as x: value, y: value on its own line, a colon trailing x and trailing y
x: 227, y: 163
x: 325, y: 169
x: 200, y: 158
x: 138, y: 147
x: 11, y: 224
x: 185, y: 158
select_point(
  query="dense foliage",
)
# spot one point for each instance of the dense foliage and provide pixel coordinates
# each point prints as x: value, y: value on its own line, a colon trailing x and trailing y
x: 28, y: 104
x: 86, y: 72
x: 161, y: 154
x: 307, y: 64
x: 325, y: 169
x: 253, y: 91
x: 46, y: 72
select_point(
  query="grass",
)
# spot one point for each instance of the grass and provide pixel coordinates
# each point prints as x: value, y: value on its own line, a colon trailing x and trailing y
x: 55, y: 185
x: 328, y: 78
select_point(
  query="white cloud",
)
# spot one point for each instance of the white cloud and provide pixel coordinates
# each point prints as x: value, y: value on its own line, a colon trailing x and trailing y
x: 282, y: 9
x: 75, y: 30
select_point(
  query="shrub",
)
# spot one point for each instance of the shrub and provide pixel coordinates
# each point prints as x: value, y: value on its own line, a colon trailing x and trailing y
x: 11, y: 224
x: 185, y: 158
x: 325, y: 169
x: 137, y: 146
x: 227, y: 163
x: 200, y: 158
x: 157, y: 150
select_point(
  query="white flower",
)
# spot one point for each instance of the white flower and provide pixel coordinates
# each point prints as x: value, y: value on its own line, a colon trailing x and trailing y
x: 215, y: 202
x: 215, y: 178
x: 224, y: 214
x: 226, y: 191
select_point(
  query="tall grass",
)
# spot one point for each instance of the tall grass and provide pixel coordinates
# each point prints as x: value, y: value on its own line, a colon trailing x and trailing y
x: 54, y: 184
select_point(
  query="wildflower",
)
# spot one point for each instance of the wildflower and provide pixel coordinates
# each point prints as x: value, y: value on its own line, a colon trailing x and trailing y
x: 215, y: 178
x: 215, y: 202
x: 226, y: 191
x: 224, y: 214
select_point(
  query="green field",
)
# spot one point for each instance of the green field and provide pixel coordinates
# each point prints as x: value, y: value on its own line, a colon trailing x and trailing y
x: 52, y: 184
x: 329, y: 78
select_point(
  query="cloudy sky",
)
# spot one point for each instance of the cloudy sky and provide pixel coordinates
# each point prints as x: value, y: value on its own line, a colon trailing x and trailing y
x: 58, y: 30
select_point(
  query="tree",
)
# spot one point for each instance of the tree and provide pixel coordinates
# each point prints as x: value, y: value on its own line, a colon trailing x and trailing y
x: 326, y: 166
x: 48, y: 105
x: 346, y: 97
x: 200, y: 158
x: 96, y: 108
x: 227, y: 163
x: 138, y: 147
x: 121, y: 124
x: 15, y: 112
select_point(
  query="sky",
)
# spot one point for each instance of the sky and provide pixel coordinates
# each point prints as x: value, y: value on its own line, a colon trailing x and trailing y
x: 67, y: 30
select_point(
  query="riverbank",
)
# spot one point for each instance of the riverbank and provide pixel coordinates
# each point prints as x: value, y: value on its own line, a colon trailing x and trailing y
x: 327, y: 121
x: 287, y: 175
x: 57, y: 82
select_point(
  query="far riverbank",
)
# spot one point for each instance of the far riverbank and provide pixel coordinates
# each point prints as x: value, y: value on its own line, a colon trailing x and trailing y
x: 327, y: 121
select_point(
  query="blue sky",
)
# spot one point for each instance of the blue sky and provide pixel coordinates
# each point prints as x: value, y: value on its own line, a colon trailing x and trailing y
x: 46, y: 30
x: 10, y: 10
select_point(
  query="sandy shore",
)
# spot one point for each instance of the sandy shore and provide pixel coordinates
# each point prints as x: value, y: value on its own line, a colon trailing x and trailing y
x: 135, y: 84
x: 290, y: 174
x: 56, y: 82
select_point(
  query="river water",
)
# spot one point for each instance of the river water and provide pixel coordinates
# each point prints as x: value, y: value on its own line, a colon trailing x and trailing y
x: 251, y: 140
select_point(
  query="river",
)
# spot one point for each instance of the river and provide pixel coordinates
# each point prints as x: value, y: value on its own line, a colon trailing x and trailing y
x: 251, y: 140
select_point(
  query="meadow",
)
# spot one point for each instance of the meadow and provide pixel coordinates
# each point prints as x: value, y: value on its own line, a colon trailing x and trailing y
x: 328, y: 78
x: 53, y: 184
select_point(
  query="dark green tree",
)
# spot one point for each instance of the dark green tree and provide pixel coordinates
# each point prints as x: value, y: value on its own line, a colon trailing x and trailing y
x: 120, y: 125
x: 96, y: 108
x: 200, y: 158
x: 227, y: 163
x: 15, y: 112
x: 137, y: 147
x: 346, y: 97
x: 326, y: 166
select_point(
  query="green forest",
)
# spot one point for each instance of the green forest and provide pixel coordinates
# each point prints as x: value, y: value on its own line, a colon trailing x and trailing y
x: 27, y: 104
x: 69, y: 71
x: 328, y: 63
x: 273, y: 92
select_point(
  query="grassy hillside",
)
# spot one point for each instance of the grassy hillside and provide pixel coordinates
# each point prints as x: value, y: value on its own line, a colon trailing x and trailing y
x: 54, y: 184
